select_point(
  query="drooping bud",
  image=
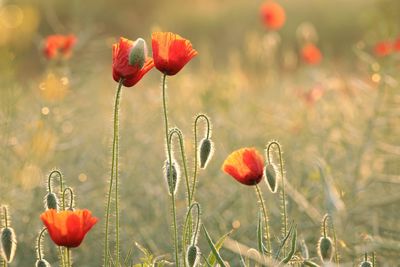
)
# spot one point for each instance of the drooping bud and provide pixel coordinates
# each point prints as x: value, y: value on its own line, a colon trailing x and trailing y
x: 172, y: 175
x: 193, y: 255
x: 138, y: 53
x: 270, y: 173
x: 51, y: 201
x: 42, y: 263
x: 205, y: 152
x: 366, y: 264
x: 8, y: 244
x: 325, y: 249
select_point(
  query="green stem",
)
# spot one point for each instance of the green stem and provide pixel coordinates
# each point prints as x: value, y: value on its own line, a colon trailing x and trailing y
x: 285, y: 224
x: 61, y: 184
x: 177, y: 132
x: 69, y: 257
x: 188, y: 220
x: 176, y: 246
x: 71, y: 196
x: 39, y: 240
x: 203, y: 116
x: 61, y: 255
x: 265, y: 215
x: 114, y: 152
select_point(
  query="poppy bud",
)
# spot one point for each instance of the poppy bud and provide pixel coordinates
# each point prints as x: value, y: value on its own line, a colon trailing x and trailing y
x: 271, y: 175
x: 138, y: 53
x: 172, y: 175
x: 192, y: 255
x: 51, y: 201
x: 325, y: 248
x: 205, y: 152
x: 8, y: 244
x: 366, y: 264
x: 42, y: 263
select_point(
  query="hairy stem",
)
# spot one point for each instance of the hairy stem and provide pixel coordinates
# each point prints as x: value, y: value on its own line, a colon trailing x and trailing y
x: 265, y: 215
x: 164, y: 97
x: 114, y: 170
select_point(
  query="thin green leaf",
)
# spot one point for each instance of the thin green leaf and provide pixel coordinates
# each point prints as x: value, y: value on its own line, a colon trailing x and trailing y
x: 211, y: 258
x: 292, y: 248
x: 213, y: 248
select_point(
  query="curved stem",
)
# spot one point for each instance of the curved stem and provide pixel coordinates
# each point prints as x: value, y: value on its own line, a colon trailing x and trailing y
x: 188, y: 220
x: 39, y: 240
x: 285, y: 226
x: 5, y: 214
x: 71, y: 196
x: 177, y: 132
x: 114, y: 152
x: 265, y: 215
x: 164, y: 97
x: 324, y: 225
x: 208, y: 133
x: 60, y: 176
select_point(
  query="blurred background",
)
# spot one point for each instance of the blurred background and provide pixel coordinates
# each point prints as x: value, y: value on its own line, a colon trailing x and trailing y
x: 336, y: 115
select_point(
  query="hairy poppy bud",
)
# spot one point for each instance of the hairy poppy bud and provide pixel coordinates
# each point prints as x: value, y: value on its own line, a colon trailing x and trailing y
x: 325, y: 249
x: 8, y: 244
x: 205, y: 152
x: 42, y: 263
x: 192, y: 255
x: 172, y: 175
x: 138, y: 53
x: 270, y: 172
x: 51, y: 201
x: 366, y: 264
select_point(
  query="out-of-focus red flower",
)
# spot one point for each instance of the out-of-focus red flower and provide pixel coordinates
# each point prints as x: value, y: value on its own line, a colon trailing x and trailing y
x: 171, y: 52
x: 273, y: 15
x: 383, y: 48
x: 313, y: 95
x: 396, y: 45
x: 245, y: 165
x: 311, y: 54
x: 57, y: 43
x: 68, y: 228
x: 130, y: 67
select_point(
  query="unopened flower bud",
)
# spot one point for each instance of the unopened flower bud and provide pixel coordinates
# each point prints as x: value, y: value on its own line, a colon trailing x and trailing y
x: 193, y: 255
x: 138, y: 53
x: 172, y: 175
x: 325, y: 249
x: 366, y: 264
x: 205, y: 152
x: 42, y: 263
x: 51, y: 201
x: 270, y: 172
x: 8, y: 244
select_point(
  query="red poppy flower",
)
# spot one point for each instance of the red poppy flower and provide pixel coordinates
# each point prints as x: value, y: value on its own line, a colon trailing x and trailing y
x: 122, y: 67
x: 272, y: 15
x: 311, y: 54
x: 68, y: 228
x: 57, y: 43
x: 171, y: 52
x: 246, y: 165
x: 383, y: 48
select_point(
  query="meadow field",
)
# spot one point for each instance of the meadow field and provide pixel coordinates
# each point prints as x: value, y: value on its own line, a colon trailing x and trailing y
x: 324, y: 84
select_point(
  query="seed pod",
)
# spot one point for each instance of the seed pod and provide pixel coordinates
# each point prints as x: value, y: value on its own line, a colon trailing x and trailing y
x: 205, y: 152
x: 325, y: 249
x: 8, y: 244
x: 138, y: 53
x: 193, y: 255
x: 366, y: 264
x: 270, y: 173
x: 173, y: 177
x: 51, y: 201
x: 42, y: 263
